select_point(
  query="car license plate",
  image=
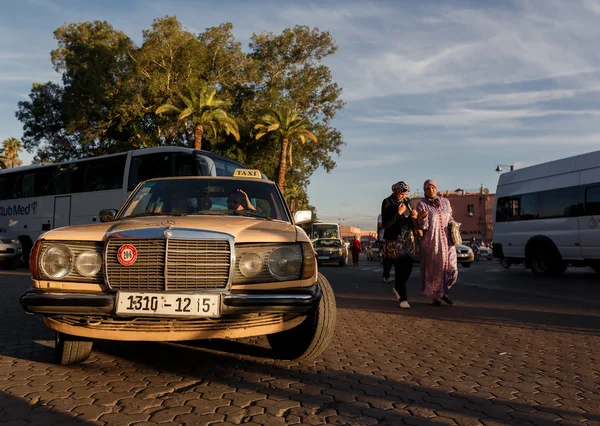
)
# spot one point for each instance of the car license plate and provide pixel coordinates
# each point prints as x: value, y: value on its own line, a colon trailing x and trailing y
x: 172, y: 304
x: 322, y: 257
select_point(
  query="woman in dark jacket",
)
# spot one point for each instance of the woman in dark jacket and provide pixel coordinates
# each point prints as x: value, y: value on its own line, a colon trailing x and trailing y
x: 399, y: 220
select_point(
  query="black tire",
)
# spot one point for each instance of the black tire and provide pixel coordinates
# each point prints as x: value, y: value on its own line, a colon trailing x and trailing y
x: 466, y: 264
x: 545, y: 263
x: 71, y: 349
x: 309, y: 339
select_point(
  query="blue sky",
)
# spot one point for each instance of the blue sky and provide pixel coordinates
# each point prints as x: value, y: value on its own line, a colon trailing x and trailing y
x: 442, y: 89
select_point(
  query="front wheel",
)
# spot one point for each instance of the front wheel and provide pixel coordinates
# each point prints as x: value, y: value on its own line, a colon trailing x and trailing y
x: 309, y: 339
x: 71, y: 349
x: 466, y: 264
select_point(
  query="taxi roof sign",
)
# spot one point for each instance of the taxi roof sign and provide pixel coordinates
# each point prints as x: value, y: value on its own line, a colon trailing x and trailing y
x: 248, y: 173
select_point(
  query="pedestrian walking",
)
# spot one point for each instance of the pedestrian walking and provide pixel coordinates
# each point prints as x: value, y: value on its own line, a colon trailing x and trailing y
x: 356, y: 249
x: 438, y: 254
x: 475, y: 248
x: 399, y: 221
x: 387, y: 263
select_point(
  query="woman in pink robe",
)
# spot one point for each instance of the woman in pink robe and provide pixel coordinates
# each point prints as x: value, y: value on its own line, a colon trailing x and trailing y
x: 439, y: 270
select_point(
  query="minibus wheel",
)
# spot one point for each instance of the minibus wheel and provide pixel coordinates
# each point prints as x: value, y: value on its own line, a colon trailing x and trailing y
x: 545, y: 262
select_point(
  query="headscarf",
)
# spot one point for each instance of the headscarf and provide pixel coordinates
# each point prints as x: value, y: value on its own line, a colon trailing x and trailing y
x: 436, y: 200
x: 400, y: 187
x: 430, y: 182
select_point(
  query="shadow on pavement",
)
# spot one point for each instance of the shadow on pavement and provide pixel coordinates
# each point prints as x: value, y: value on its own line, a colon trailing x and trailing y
x: 387, y: 398
x: 18, y: 411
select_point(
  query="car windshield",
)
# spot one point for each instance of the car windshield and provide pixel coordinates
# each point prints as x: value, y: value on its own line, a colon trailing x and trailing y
x: 207, y: 196
x: 327, y: 243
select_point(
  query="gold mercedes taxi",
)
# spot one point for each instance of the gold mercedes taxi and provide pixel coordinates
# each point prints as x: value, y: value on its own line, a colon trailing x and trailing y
x: 185, y: 258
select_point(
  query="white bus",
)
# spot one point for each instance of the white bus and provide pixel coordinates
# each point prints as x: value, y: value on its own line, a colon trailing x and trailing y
x: 548, y: 215
x: 37, y: 198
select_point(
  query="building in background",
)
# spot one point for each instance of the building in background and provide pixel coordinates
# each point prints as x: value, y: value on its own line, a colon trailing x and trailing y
x: 473, y: 210
x: 348, y: 232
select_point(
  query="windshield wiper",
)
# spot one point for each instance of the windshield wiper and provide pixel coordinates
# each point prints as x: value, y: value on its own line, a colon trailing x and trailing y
x: 151, y: 214
x: 250, y: 213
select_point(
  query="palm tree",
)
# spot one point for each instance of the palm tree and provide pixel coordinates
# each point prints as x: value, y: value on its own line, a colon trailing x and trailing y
x: 202, y: 110
x: 11, y: 149
x: 288, y: 126
x: 3, y: 160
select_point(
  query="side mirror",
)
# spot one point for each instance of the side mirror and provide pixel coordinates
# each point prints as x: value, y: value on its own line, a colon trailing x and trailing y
x: 107, y: 215
x: 302, y: 216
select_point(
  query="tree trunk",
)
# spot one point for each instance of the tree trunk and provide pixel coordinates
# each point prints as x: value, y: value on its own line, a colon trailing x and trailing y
x: 282, y: 164
x: 198, y: 131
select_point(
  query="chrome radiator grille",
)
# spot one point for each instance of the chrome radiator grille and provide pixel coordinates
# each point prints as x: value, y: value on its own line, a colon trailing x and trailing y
x: 172, y: 265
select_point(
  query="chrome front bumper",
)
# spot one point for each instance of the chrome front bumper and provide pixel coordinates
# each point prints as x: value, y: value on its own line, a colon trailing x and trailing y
x: 296, y: 300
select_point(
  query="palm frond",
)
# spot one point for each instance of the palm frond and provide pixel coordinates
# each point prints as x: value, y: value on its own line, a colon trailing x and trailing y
x: 167, y: 109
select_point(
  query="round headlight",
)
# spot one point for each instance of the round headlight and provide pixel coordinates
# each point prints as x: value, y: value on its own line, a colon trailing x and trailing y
x: 88, y: 263
x: 285, y: 263
x: 57, y: 261
x: 251, y: 264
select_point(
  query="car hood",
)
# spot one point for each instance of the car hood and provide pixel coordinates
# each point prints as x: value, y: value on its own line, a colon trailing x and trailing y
x: 242, y: 229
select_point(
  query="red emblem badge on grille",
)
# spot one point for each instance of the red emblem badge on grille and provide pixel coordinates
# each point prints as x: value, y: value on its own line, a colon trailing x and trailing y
x: 127, y: 255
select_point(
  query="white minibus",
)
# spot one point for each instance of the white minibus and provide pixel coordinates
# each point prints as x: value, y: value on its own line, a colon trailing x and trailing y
x: 40, y: 197
x: 547, y: 216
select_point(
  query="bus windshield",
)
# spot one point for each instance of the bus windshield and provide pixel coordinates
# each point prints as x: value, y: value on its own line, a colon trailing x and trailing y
x: 325, y: 230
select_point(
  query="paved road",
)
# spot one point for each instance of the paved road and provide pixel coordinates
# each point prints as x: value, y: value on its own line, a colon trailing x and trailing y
x: 514, y: 349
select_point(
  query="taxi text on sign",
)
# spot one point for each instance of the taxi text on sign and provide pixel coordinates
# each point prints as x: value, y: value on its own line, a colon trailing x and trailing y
x: 247, y: 173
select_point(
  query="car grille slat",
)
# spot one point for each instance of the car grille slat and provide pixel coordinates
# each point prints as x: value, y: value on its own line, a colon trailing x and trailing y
x: 172, y: 265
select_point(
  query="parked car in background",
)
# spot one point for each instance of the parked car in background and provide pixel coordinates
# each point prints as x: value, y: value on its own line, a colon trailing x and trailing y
x: 464, y: 255
x: 373, y: 251
x: 10, y: 252
x: 485, y: 253
x: 331, y: 250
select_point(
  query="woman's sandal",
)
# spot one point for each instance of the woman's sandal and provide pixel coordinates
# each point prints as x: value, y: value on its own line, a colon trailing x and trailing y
x: 436, y: 302
x: 447, y: 300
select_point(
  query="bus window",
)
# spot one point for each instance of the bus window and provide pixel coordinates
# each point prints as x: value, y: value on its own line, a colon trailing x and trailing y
x: 148, y: 166
x: 28, y: 185
x: 592, y: 200
x: 185, y: 165
x: 44, y: 184
x: 225, y: 168
x: 529, y: 206
x: 558, y: 203
x: 4, y: 187
x: 104, y: 174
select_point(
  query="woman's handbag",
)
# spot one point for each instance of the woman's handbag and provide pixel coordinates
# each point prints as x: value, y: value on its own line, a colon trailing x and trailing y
x: 454, y: 228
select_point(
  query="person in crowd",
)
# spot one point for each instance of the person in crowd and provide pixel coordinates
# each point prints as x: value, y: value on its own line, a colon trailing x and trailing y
x: 238, y: 200
x: 475, y: 248
x: 387, y: 263
x: 439, y: 270
x: 356, y: 249
x: 399, y: 220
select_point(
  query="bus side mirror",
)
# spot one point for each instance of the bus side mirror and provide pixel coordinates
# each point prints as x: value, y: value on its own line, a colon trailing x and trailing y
x: 302, y: 216
x: 107, y: 215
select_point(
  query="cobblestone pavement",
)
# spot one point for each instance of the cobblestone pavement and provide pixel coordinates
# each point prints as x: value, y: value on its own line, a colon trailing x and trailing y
x: 496, y: 357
